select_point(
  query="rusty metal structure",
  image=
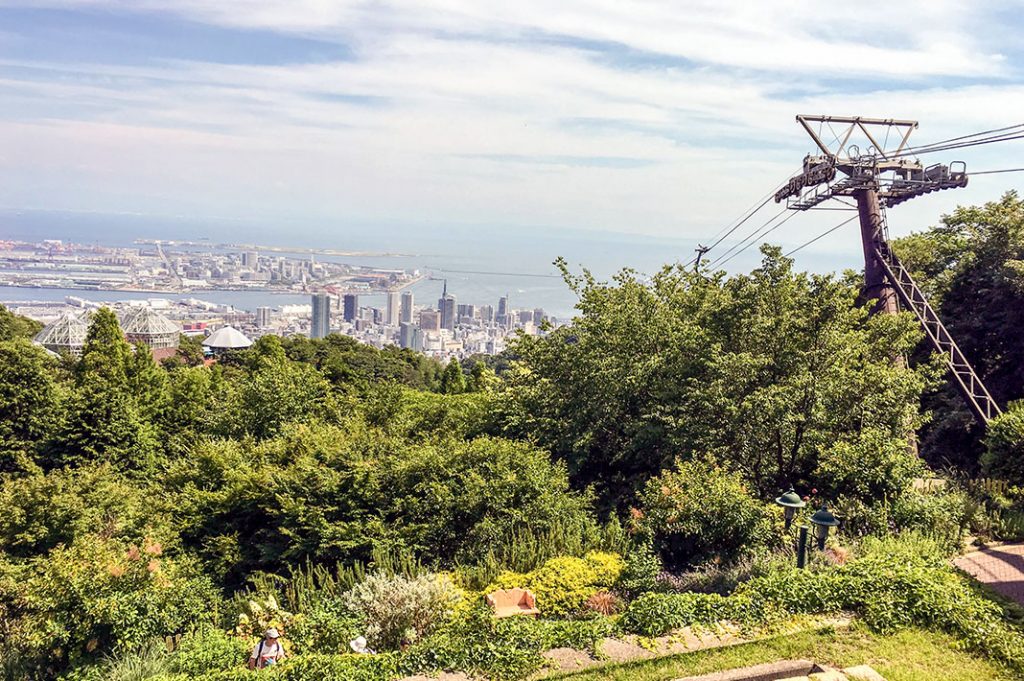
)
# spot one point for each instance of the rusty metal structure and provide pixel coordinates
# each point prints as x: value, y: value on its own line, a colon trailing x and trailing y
x: 878, y: 176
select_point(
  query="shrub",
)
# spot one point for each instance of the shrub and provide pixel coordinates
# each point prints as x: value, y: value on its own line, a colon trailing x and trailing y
x: 100, y: 596
x: 700, y: 512
x: 641, y: 570
x: 874, y: 465
x: 1004, y: 445
x: 327, y: 627
x: 723, y: 579
x: 896, y: 583
x: 653, y: 614
x: 207, y: 650
x: 259, y: 614
x: 334, y: 668
x: 394, y: 608
x: 562, y: 585
x: 607, y: 567
x: 481, y: 645
x: 943, y: 515
x: 604, y: 603
x: 500, y: 649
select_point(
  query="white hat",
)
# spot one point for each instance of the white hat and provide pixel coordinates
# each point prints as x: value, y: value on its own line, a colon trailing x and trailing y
x: 358, y: 644
x: 272, y: 633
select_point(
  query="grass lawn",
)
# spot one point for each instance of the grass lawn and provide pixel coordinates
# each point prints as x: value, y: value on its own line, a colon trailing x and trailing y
x: 912, y: 655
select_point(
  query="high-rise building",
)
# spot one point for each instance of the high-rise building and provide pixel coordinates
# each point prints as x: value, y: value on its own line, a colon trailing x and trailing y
x: 447, y: 311
x: 538, y: 316
x: 250, y: 259
x: 405, y: 334
x: 525, y: 316
x: 407, y: 303
x: 487, y: 314
x: 503, y: 317
x: 446, y: 306
x: 263, y: 317
x: 430, y: 320
x: 321, y: 325
x: 392, y: 310
x: 466, y: 313
x: 351, y: 310
x: 376, y: 315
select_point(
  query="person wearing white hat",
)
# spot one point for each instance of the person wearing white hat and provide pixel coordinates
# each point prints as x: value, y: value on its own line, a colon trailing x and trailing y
x: 267, y: 652
x: 359, y: 646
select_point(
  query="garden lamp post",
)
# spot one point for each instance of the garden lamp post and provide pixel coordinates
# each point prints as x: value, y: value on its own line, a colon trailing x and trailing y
x: 823, y: 521
x: 790, y: 501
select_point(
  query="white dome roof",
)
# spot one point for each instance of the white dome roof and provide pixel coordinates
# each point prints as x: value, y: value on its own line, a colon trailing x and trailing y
x: 227, y: 338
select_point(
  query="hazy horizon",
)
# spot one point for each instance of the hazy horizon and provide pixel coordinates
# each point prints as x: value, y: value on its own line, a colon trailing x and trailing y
x: 651, y: 119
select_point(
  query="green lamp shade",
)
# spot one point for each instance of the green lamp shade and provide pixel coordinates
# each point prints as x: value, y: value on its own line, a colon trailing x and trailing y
x: 791, y: 500
x: 822, y: 518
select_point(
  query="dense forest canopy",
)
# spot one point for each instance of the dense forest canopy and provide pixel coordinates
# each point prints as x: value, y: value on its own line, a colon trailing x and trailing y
x: 971, y: 265
x: 141, y: 500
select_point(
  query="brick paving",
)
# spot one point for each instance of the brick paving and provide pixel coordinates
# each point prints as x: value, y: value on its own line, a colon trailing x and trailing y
x: 1001, y: 567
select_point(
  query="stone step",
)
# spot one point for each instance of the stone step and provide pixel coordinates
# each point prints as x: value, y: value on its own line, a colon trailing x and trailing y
x: 862, y: 672
x: 830, y: 675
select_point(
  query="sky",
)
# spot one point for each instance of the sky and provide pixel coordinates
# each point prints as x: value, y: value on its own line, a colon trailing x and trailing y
x: 647, y: 118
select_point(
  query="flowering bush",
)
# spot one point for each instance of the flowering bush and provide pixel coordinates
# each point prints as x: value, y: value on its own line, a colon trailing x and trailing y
x: 102, y: 597
x: 397, y: 608
x: 258, y: 615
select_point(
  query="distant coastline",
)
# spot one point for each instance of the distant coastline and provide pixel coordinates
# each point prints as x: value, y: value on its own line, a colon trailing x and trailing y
x: 297, y: 250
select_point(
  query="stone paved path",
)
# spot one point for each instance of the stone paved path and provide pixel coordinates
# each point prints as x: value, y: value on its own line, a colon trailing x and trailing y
x: 1001, y: 567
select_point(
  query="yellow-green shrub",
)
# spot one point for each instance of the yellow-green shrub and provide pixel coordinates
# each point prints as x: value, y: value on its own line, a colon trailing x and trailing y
x: 562, y: 585
x: 607, y: 566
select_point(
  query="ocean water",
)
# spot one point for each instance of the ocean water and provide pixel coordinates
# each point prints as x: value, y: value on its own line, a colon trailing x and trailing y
x: 481, y: 264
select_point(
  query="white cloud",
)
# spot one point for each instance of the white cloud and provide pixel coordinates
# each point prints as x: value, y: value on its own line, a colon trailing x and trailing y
x: 416, y: 127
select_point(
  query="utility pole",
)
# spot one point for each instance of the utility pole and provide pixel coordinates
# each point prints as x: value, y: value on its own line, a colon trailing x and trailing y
x: 701, y: 250
x: 883, y: 176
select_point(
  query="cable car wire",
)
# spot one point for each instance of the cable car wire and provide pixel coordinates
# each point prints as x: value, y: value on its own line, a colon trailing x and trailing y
x: 821, y: 236
x: 756, y: 239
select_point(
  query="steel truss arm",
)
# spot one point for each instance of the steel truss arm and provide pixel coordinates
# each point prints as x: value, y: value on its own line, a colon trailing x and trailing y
x: 974, y: 391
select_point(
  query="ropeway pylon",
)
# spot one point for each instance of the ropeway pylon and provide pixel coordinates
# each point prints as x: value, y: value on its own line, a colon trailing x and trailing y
x: 877, y: 178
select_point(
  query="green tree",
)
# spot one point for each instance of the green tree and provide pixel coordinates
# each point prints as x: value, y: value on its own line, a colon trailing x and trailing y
x: 29, y: 402
x: 1004, y: 442
x: 453, y: 381
x: 764, y: 371
x: 972, y: 267
x: 104, y: 420
x: 356, y: 367
x: 147, y: 382
x: 190, y: 350
x: 482, y: 378
x: 278, y: 391
x: 15, y: 326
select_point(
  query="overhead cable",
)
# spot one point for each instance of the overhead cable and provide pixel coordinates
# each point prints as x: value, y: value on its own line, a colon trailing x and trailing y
x: 822, y: 235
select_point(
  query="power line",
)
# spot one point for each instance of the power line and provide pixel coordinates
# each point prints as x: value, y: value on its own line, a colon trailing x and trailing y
x: 913, y: 150
x: 958, y: 145
x: 719, y: 236
x: 758, y: 238
x: 822, y: 235
x: 993, y: 172
x: 749, y: 236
